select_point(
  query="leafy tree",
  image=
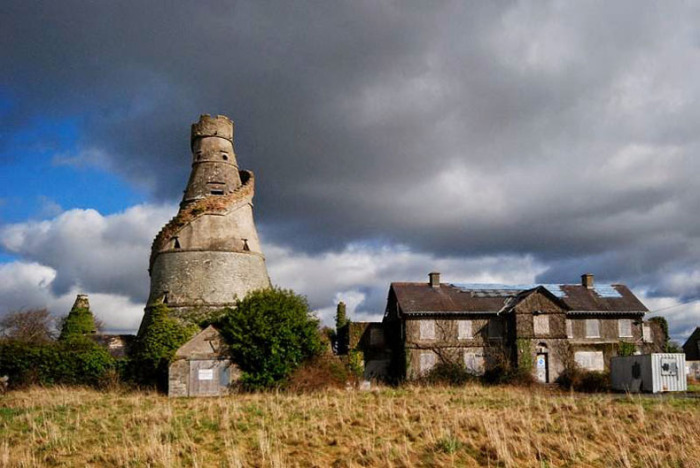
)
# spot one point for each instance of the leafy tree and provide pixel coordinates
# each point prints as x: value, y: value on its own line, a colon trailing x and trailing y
x: 669, y: 346
x: 159, y: 338
x: 30, y: 326
x: 341, y: 316
x: 341, y: 337
x: 270, y: 333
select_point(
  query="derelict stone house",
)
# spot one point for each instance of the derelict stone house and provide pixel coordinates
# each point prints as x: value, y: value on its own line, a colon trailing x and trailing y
x: 209, y: 253
x: 201, y: 367
x: 482, y: 325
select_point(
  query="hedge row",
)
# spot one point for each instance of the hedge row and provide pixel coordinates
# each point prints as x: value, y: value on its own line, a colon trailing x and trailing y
x: 74, y: 362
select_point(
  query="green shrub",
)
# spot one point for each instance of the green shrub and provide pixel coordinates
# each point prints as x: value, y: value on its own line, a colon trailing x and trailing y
x: 448, y: 373
x: 270, y: 333
x: 626, y: 349
x: 73, y: 362
x: 502, y: 374
x: 356, y: 363
x: 78, y: 322
x: 158, y: 340
x: 575, y: 378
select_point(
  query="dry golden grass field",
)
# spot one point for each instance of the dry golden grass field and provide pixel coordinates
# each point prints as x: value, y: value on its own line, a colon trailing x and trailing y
x: 411, y: 426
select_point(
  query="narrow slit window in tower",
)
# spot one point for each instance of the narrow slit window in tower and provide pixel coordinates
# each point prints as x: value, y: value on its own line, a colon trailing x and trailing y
x: 225, y: 156
x: 217, y: 192
x: 245, y: 245
x: 176, y: 243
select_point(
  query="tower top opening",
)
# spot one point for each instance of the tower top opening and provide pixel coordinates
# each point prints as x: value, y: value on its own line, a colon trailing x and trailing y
x: 208, y: 126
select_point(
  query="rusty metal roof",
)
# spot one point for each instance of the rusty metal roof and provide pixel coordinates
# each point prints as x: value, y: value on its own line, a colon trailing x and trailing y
x: 421, y: 298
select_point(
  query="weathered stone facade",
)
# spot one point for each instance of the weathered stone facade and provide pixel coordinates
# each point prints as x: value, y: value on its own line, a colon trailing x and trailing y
x: 485, y: 326
x: 209, y: 253
x: 201, y: 367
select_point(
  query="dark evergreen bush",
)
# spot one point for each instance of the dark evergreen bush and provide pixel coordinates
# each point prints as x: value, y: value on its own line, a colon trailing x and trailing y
x: 270, y: 332
x: 75, y: 362
x: 159, y: 338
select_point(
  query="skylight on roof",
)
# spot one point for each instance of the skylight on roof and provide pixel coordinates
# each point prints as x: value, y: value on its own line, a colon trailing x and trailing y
x: 506, y: 290
x: 606, y: 290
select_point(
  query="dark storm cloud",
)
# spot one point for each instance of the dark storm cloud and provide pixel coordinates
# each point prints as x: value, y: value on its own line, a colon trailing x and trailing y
x: 563, y: 130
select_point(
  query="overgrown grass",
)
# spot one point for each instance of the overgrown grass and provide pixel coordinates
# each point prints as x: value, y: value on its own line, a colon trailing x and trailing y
x: 409, y: 426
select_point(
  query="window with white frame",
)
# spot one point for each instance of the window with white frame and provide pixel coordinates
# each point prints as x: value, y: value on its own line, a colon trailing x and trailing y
x: 647, y: 335
x: 427, y: 329
x: 625, y: 328
x: 464, y: 330
x: 474, y: 361
x: 569, y: 328
x: 592, y: 328
x: 541, y: 324
x: 590, y: 360
x: 427, y: 361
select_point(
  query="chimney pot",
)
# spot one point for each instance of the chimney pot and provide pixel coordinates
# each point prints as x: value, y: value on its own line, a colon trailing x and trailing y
x: 434, y: 279
x: 587, y: 280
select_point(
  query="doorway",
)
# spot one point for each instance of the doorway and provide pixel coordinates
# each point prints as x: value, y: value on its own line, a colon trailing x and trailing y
x: 542, y: 363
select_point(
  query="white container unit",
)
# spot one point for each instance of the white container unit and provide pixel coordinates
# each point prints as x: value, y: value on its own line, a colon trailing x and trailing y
x: 657, y: 372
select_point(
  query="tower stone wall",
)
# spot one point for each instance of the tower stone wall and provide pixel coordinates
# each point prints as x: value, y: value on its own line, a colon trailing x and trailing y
x: 209, y: 253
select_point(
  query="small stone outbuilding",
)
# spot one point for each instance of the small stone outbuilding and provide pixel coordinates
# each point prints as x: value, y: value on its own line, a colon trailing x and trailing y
x: 202, y: 367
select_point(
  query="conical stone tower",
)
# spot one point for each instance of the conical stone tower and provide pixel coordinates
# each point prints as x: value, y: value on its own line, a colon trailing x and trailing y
x: 209, y: 253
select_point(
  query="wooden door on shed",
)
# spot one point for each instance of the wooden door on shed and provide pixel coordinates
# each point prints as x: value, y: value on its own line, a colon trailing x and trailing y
x: 208, y: 377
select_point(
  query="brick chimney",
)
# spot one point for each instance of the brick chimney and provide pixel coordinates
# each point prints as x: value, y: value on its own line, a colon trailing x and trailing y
x: 434, y: 279
x: 587, y: 280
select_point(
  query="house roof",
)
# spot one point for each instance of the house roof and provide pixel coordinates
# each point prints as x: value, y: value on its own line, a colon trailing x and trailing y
x: 476, y: 298
x: 695, y: 336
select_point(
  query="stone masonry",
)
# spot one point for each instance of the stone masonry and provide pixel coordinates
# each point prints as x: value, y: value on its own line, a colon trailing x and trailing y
x: 209, y: 253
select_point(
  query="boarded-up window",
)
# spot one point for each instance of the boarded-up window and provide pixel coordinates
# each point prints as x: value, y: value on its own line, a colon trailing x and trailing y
x: 464, y: 330
x: 427, y: 361
x: 541, y: 323
x: 647, y: 334
x: 592, y: 328
x: 569, y: 328
x: 495, y: 328
x: 474, y: 361
x: 625, y: 328
x: 376, y: 337
x: 590, y: 360
x: 427, y: 329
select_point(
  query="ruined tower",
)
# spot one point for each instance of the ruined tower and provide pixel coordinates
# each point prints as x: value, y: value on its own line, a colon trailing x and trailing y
x: 209, y: 253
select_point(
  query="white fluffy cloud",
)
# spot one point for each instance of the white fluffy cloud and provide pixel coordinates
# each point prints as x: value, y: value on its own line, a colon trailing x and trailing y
x: 105, y: 256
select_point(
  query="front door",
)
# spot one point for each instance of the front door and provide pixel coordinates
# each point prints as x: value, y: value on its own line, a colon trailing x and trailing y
x: 207, y: 377
x: 541, y: 368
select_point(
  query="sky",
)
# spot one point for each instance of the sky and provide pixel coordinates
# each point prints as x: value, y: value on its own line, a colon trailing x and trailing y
x: 510, y: 142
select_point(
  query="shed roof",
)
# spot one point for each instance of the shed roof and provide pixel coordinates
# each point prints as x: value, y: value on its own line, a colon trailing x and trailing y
x: 488, y: 298
x: 207, y: 344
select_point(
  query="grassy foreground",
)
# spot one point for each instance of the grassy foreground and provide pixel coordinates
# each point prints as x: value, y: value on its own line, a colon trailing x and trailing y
x: 469, y: 426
